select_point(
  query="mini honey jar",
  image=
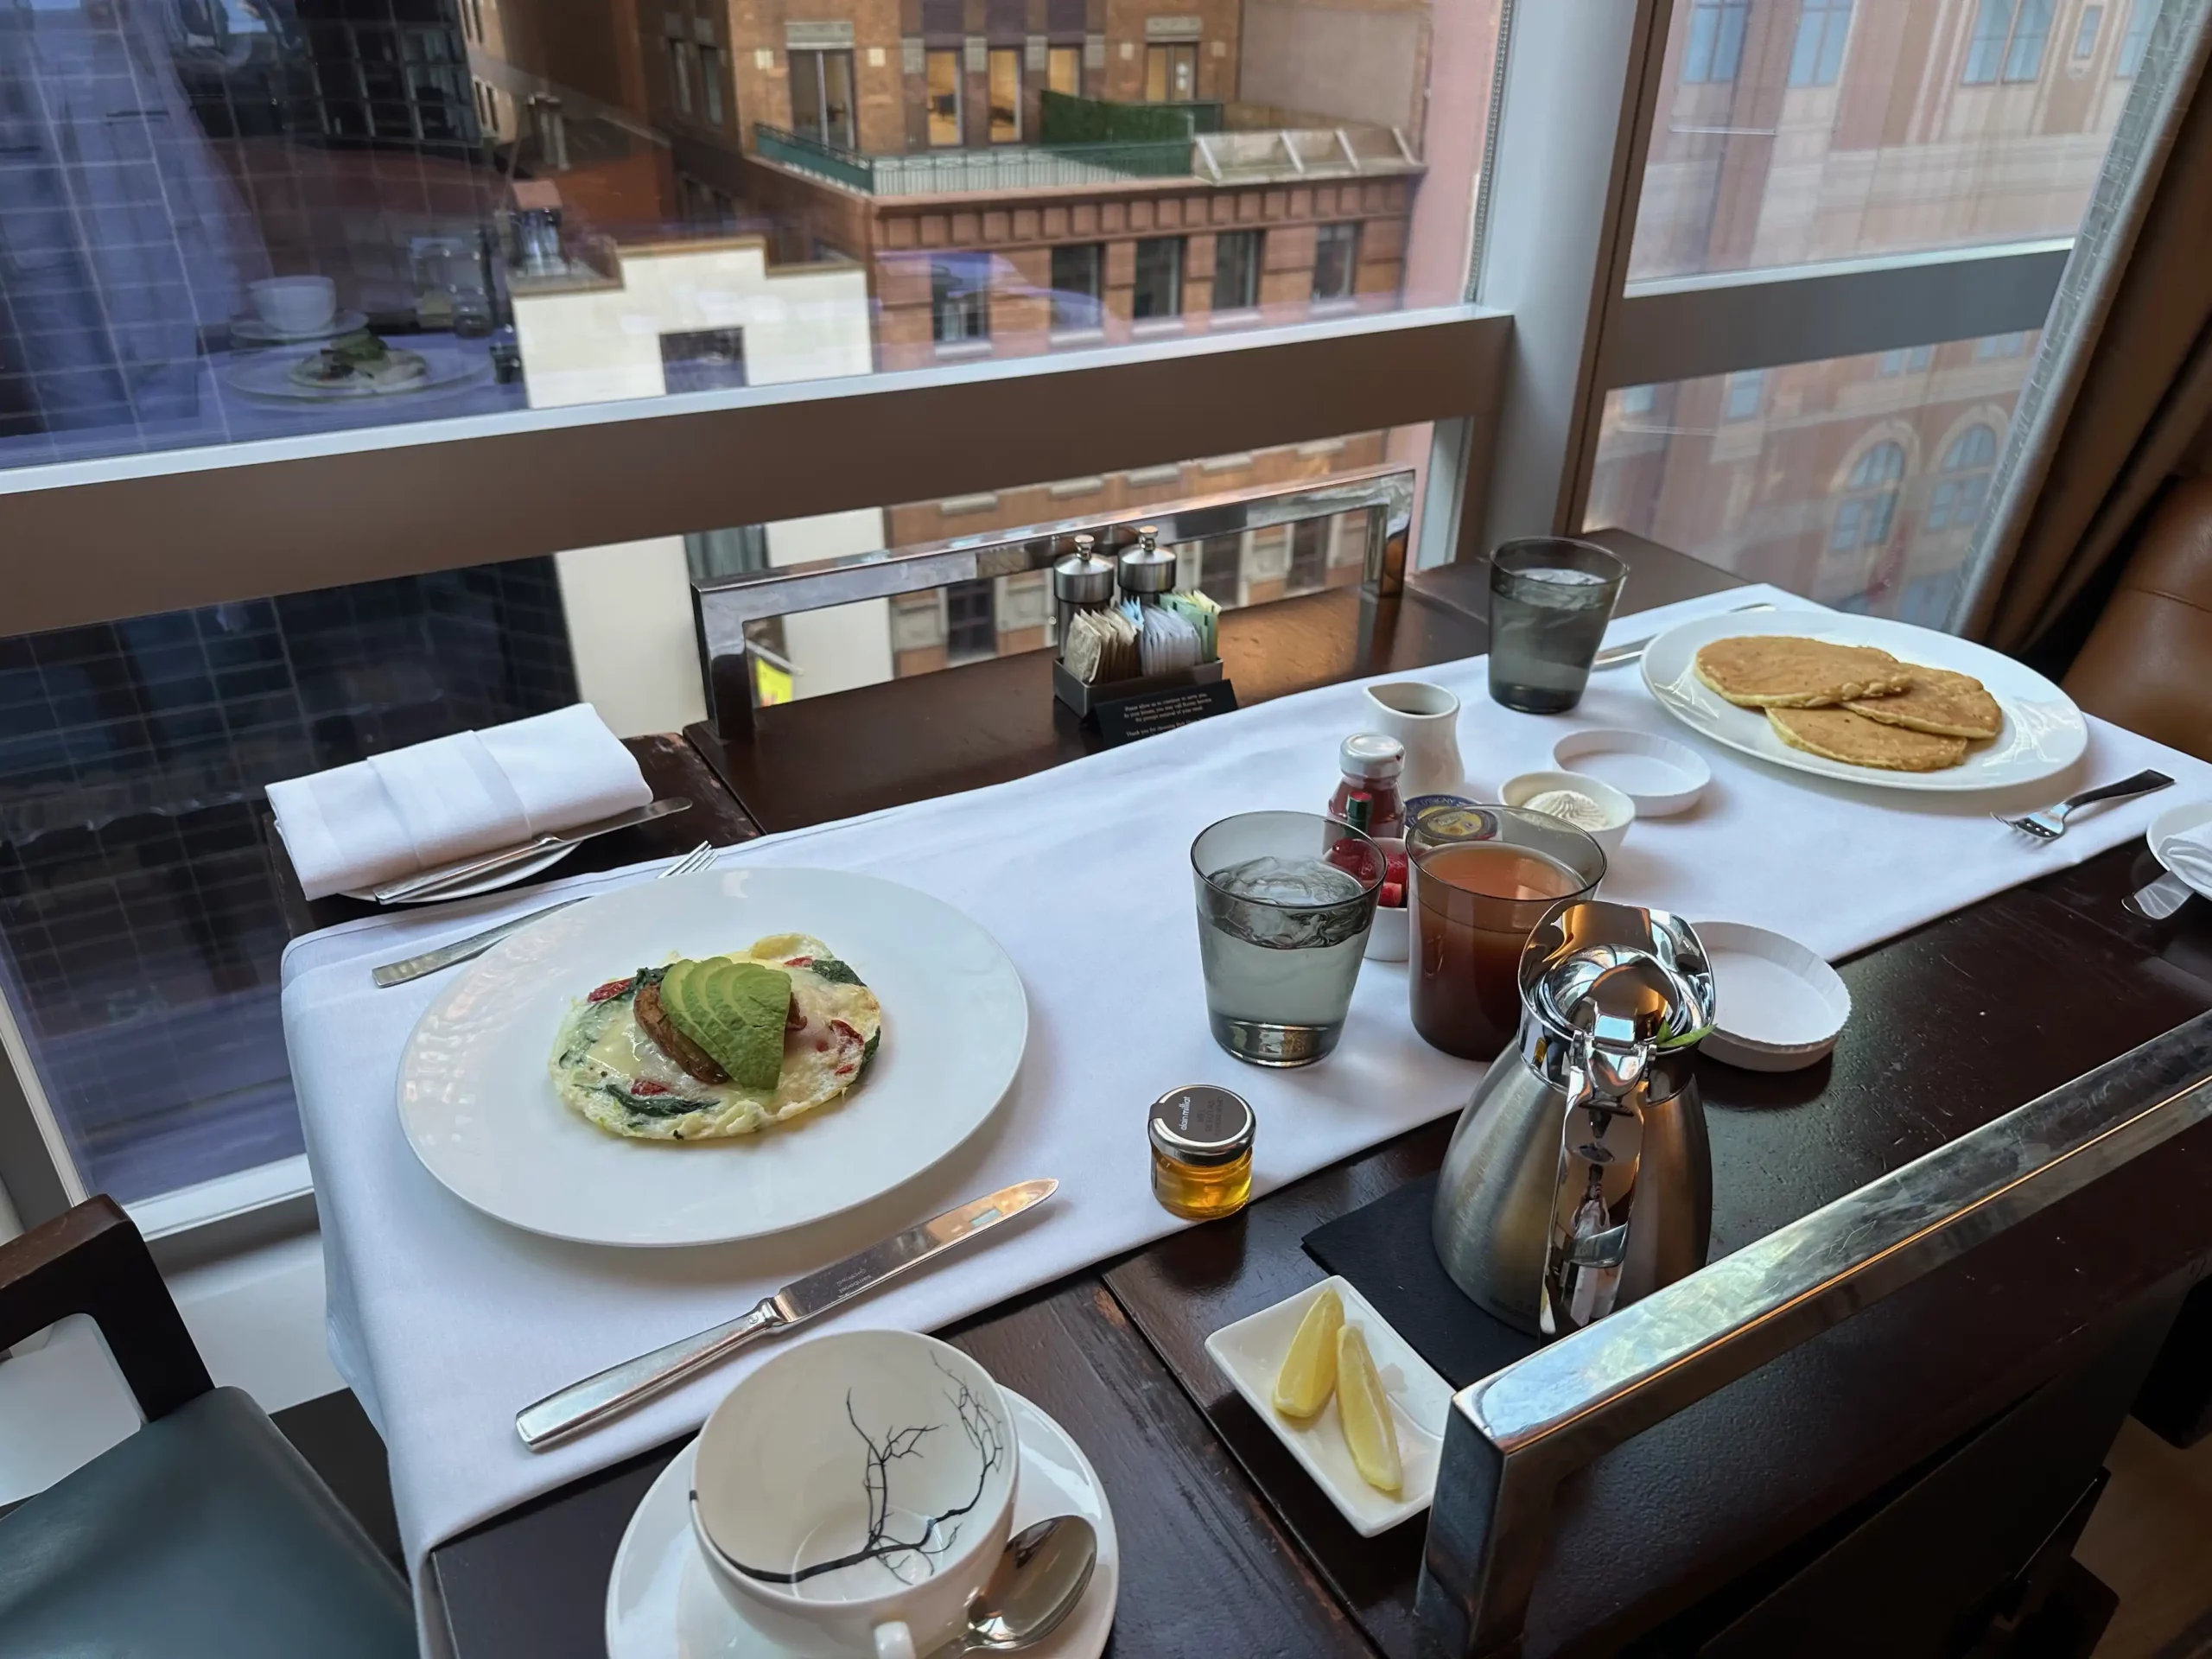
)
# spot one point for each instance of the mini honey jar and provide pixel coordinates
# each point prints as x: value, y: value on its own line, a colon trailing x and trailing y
x: 1201, y: 1151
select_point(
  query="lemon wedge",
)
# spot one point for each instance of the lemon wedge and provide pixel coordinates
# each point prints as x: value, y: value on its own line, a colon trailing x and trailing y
x: 1370, y: 1435
x: 1309, y: 1371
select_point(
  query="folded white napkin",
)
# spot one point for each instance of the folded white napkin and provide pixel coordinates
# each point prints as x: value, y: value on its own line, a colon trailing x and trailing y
x: 2189, y: 855
x: 453, y: 797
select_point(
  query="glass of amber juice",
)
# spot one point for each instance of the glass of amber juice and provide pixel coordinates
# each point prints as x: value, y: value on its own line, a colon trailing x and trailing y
x: 1483, y: 878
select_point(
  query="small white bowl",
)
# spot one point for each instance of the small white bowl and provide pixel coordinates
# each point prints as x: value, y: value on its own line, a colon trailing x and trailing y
x: 1386, y: 938
x: 1619, y: 809
x: 1781, y: 1006
x: 1660, y: 776
x: 1251, y: 1351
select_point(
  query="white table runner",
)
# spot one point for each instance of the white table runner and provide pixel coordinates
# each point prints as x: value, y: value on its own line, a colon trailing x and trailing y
x: 445, y: 1322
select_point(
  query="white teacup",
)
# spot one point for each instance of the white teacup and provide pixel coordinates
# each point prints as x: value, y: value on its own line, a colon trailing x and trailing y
x: 295, y: 305
x: 1426, y: 719
x: 851, y: 1494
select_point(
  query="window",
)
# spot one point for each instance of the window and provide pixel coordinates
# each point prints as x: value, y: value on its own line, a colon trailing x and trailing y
x: 1742, y: 401
x: 1063, y: 70
x: 960, y: 298
x: 1964, y: 480
x: 710, y: 82
x: 1912, y: 361
x: 944, y: 98
x: 1237, y: 270
x: 1170, y: 73
x: 706, y: 359
x: 822, y: 97
x: 971, y: 630
x: 1990, y: 346
x: 1006, y: 94
x: 1716, y: 43
x: 1078, y: 286
x: 2141, y: 14
x: 1158, y: 290
x: 1865, y: 517
x: 1335, y: 261
x: 1638, y: 400
x: 2085, y: 32
x: 1309, y: 554
x: 679, y: 74
x: 2008, y: 39
x: 1816, y: 58
x: 1221, y: 566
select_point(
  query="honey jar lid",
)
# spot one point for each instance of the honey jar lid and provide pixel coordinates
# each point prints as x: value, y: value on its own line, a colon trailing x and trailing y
x: 1201, y: 1124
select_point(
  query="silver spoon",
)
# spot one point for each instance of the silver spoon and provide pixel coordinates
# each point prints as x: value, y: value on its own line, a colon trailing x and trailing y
x: 1039, y: 1579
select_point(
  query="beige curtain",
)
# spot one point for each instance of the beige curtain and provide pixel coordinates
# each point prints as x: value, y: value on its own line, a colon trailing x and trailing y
x: 2123, y: 381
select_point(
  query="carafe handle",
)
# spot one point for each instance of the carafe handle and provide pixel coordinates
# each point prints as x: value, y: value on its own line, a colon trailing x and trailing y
x: 1601, y: 1141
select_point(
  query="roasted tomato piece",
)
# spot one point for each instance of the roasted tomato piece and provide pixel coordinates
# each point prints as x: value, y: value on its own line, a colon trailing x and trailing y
x: 612, y: 988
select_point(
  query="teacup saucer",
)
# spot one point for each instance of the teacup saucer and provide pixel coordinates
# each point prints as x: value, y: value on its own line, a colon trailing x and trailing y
x: 661, y: 1604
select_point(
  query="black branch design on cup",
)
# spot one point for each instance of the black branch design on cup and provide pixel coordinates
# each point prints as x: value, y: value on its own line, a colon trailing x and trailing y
x: 985, y: 1434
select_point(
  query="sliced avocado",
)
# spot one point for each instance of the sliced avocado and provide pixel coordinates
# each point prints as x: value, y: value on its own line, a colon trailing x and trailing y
x: 734, y: 1010
x: 673, y: 992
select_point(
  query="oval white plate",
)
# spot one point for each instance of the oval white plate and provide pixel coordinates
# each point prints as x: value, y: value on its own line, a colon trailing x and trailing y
x: 1659, y: 776
x: 1781, y: 1006
x: 661, y: 1603
x: 478, y: 1105
x: 506, y: 878
x: 2174, y: 821
x: 269, y: 374
x: 2043, y: 732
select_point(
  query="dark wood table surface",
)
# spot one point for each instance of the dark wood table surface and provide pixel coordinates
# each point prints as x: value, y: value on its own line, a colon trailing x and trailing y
x: 1226, y: 1548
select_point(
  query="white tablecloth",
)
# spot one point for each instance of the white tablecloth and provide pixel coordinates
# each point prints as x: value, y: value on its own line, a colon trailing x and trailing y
x: 445, y: 1322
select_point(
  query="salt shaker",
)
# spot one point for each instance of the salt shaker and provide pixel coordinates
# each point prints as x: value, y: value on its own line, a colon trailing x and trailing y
x: 1081, y: 581
x: 1147, y: 569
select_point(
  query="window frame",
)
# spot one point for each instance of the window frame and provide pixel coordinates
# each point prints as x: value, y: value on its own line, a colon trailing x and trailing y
x: 816, y: 67
x: 1056, y: 54
x: 1713, y: 51
x: 995, y: 58
x: 1827, y: 24
x: 1093, y: 254
x: 1344, y: 233
x: 1165, y: 55
x: 931, y: 59
x: 1251, y: 261
x: 1177, y: 272
x: 1992, y: 52
x: 2134, y: 39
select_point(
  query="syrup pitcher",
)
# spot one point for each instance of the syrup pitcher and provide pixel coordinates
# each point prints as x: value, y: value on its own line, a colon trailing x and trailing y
x: 1580, y: 1178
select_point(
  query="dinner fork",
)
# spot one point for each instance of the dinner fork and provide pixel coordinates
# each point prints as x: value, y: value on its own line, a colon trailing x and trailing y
x: 2049, y: 823
x: 398, y: 973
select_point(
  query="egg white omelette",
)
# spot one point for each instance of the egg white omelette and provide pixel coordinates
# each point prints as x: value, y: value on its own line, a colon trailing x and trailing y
x: 607, y: 1064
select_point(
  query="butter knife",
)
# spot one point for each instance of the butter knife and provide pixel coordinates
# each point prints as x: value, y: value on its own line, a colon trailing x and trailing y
x: 426, y: 881
x: 587, y: 1404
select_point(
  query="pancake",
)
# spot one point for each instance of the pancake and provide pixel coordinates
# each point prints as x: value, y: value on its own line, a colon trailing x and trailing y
x: 1939, y: 701
x: 1781, y: 670
x: 1839, y: 734
x: 607, y: 1065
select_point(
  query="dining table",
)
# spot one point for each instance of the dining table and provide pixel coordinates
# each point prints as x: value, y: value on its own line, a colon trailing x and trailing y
x: 1226, y: 1546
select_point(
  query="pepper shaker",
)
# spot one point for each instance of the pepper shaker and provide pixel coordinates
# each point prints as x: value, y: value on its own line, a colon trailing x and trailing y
x: 1147, y: 569
x: 1081, y: 581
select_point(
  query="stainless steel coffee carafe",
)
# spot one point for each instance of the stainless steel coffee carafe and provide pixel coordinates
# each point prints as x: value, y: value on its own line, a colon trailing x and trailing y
x: 1579, y: 1178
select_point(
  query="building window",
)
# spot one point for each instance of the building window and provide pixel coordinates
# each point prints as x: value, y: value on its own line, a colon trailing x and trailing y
x: 1063, y: 70
x: 2141, y: 14
x: 1309, y: 554
x: 2009, y: 36
x: 1221, y: 562
x: 960, y: 297
x: 1079, y: 285
x: 2085, y: 32
x: 1638, y: 400
x: 1742, y: 401
x: 1990, y: 346
x: 822, y: 97
x: 1170, y: 73
x: 1863, y: 519
x: 944, y: 98
x: 970, y: 623
x: 679, y: 74
x: 1715, y: 50
x: 1006, y: 94
x: 1965, y: 481
x: 1817, y: 58
x: 1914, y: 361
x: 1336, y: 260
x: 706, y: 359
x: 710, y: 81
x: 1158, y: 290
x: 1237, y: 270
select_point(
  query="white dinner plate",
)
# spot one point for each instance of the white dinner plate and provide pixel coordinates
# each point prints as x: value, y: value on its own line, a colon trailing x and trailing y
x: 491, y: 883
x: 2174, y: 821
x: 662, y: 1604
x: 269, y: 374
x: 477, y: 1104
x: 2043, y: 732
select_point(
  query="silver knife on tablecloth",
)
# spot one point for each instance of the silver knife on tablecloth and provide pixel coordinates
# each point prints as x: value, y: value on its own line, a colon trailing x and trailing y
x: 451, y: 875
x: 614, y: 1390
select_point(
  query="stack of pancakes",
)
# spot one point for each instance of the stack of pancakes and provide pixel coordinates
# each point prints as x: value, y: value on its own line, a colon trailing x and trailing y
x: 1853, y: 704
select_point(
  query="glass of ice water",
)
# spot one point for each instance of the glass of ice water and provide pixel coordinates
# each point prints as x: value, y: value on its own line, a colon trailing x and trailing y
x: 1550, y: 598
x: 1285, y: 901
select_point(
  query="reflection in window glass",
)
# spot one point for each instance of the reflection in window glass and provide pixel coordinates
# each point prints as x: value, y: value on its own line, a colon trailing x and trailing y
x: 1079, y: 285
x: 970, y: 623
x: 705, y: 360
x: 710, y: 82
x: 1716, y: 43
x: 1063, y: 70
x: 944, y: 98
x: 1990, y: 346
x: 1743, y: 401
x: 1170, y: 73
x: 1816, y: 57
x: 1309, y: 554
x: 1006, y: 94
x: 679, y: 74
x: 1845, y: 501
x: 960, y: 288
x: 1638, y: 400
x: 2141, y: 14
x: 1335, y: 261
x: 1902, y: 362
x: 2085, y: 32
x: 1237, y: 270
x: 822, y: 97
x: 1158, y: 290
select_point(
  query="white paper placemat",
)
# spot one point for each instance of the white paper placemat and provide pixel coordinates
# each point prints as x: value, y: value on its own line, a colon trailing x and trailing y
x: 445, y: 1322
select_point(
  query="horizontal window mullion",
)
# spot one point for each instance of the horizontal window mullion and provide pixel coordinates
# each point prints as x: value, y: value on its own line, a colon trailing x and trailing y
x: 1689, y: 328
x: 100, y: 541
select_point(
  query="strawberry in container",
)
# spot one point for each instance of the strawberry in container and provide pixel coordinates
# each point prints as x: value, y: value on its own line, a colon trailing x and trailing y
x: 1387, y: 940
